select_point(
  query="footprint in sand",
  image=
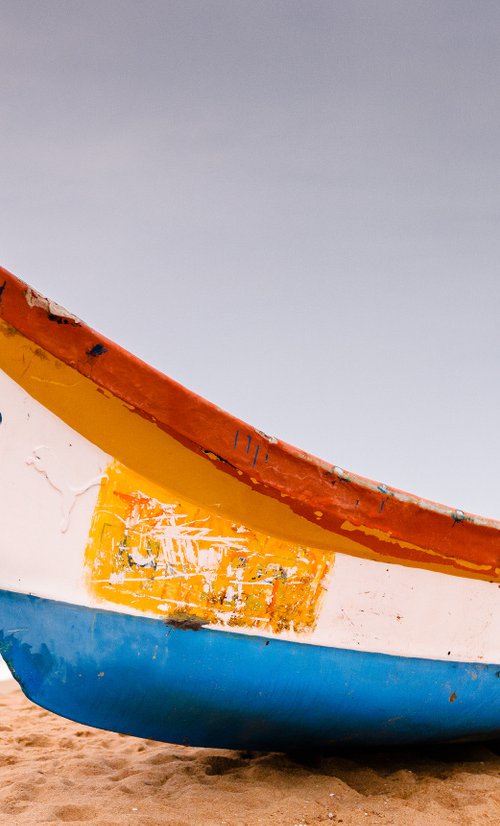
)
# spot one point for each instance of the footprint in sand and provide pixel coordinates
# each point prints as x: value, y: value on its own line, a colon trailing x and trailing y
x: 70, y: 813
x: 34, y: 740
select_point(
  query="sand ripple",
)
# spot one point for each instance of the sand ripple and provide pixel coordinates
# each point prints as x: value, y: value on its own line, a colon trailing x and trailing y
x: 54, y: 771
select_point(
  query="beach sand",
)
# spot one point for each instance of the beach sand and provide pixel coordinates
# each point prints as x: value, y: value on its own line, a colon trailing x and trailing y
x: 55, y: 771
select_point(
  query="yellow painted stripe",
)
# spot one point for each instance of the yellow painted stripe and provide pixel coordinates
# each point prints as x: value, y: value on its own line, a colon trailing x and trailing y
x: 145, y: 449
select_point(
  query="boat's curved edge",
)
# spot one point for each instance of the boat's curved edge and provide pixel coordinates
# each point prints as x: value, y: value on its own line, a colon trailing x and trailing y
x: 324, y: 494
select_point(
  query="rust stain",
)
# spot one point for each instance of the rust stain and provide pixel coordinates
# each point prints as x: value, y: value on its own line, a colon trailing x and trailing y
x: 158, y: 553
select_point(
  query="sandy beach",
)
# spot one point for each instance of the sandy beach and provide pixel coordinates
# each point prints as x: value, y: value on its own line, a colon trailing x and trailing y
x: 56, y: 771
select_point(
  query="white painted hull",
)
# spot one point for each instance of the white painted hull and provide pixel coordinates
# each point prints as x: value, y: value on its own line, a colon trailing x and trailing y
x: 46, y: 509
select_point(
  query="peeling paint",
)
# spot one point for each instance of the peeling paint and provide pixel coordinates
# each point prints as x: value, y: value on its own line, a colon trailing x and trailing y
x: 158, y: 553
x: 383, y: 536
x: 271, y: 439
x: 34, y: 299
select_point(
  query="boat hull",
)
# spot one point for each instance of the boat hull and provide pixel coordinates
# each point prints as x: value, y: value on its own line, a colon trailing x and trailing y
x: 204, y: 687
x: 169, y: 571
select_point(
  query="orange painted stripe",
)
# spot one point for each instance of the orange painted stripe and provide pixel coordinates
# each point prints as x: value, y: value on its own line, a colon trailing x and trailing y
x: 389, y: 522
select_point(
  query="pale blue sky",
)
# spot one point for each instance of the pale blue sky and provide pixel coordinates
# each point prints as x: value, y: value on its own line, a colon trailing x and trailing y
x: 290, y: 207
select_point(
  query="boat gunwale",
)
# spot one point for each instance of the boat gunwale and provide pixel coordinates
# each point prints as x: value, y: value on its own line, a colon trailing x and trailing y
x: 306, y: 483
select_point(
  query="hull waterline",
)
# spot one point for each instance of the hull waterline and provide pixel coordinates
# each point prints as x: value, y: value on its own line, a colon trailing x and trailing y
x: 140, y: 676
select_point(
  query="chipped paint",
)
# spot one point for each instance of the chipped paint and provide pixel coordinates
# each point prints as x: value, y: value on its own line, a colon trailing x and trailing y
x: 161, y: 554
x: 271, y: 439
x: 34, y: 299
x: 391, y: 540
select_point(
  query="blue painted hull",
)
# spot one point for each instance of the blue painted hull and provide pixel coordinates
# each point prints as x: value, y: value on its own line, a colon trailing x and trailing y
x: 139, y: 676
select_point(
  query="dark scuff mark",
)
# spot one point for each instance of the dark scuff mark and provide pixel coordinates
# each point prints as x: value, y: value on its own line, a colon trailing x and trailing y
x: 249, y: 442
x: 256, y: 454
x: 236, y: 436
x: 10, y: 331
x: 2, y: 288
x: 212, y: 455
x: 453, y: 696
x: 185, y: 622
x: 97, y: 350
x: 59, y: 319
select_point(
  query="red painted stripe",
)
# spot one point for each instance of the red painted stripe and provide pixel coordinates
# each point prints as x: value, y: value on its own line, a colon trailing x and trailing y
x: 310, y: 484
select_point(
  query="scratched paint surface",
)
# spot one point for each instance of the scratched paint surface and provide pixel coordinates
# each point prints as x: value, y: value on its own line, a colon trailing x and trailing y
x: 155, y: 552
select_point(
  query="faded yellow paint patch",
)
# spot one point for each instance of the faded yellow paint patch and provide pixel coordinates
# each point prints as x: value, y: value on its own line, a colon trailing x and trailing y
x: 158, y: 553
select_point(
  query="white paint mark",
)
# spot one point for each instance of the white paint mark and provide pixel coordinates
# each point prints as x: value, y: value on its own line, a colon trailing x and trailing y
x: 179, y: 540
x: 47, y: 464
x: 46, y: 561
x: 142, y: 561
x: 117, y: 578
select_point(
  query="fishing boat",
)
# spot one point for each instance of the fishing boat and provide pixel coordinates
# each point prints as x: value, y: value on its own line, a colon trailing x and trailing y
x: 170, y: 572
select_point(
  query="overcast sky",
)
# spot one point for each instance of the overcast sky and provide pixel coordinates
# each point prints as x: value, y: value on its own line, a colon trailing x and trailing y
x: 293, y: 208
